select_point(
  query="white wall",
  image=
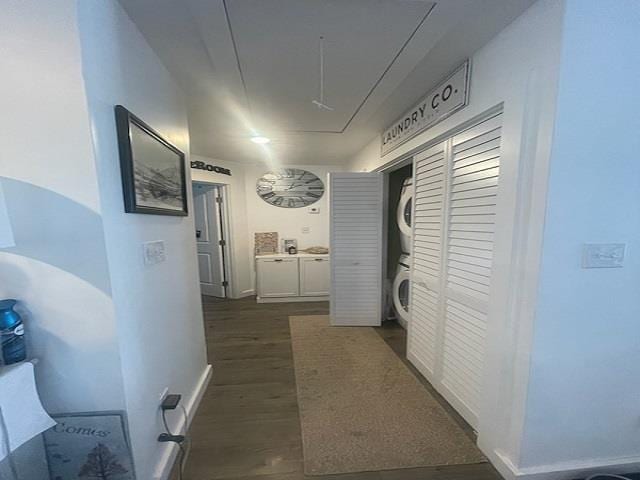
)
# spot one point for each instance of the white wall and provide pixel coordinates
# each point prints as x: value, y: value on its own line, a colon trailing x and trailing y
x: 58, y: 269
x: 158, y: 309
x: 240, y: 242
x: 518, y: 69
x: 250, y: 214
x: 288, y: 222
x: 584, y: 394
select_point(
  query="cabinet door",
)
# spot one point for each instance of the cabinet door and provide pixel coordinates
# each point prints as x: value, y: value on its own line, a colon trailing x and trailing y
x: 277, y: 277
x: 314, y: 276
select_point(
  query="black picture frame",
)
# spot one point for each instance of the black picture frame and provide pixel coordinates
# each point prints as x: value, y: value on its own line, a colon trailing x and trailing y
x: 158, y: 188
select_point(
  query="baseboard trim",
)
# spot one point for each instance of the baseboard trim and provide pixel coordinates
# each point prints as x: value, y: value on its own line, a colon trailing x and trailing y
x: 565, y: 470
x: 247, y: 293
x: 170, y: 453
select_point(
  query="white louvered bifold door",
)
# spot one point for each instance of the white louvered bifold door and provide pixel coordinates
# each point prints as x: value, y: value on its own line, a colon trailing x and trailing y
x: 356, y: 248
x: 450, y: 307
x: 475, y: 155
x: 429, y: 194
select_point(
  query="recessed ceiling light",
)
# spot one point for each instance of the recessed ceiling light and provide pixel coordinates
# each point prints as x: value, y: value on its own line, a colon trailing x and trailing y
x: 260, y: 140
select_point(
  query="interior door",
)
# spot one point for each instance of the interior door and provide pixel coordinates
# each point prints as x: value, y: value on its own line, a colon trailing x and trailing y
x: 426, y: 284
x: 456, y: 187
x: 209, y: 239
x: 475, y: 170
x: 356, y: 248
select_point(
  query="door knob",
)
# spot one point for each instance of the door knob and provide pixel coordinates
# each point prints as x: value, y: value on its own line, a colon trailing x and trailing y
x: 198, y: 233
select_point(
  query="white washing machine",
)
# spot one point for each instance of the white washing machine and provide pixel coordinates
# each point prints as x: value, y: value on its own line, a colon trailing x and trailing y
x: 404, y: 215
x: 400, y: 290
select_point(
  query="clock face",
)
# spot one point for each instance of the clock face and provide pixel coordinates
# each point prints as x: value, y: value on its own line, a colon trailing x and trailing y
x: 290, y: 188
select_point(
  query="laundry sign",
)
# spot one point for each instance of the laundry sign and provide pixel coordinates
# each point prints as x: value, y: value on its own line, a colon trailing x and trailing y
x: 447, y: 98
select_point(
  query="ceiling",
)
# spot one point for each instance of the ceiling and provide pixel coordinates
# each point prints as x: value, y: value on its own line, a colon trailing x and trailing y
x: 251, y: 67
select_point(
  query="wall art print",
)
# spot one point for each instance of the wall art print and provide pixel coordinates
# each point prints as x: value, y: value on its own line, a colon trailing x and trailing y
x: 89, y: 446
x: 153, y: 170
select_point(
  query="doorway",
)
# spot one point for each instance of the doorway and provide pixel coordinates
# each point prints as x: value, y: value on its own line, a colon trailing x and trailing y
x: 211, y: 226
x: 397, y: 213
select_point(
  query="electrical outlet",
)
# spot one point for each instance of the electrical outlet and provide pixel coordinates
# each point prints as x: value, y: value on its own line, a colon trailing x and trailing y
x: 306, y: 229
x: 154, y: 252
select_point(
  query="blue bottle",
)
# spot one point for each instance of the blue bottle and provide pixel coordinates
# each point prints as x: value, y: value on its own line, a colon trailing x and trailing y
x: 11, y: 334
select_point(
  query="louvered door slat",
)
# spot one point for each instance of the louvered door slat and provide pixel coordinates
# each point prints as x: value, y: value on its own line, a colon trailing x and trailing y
x: 356, y: 248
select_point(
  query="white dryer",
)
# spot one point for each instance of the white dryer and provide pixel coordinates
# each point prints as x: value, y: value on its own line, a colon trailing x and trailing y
x: 404, y: 214
x: 400, y: 290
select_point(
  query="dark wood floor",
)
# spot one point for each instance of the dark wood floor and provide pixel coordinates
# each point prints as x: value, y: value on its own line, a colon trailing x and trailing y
x: 247, y: 426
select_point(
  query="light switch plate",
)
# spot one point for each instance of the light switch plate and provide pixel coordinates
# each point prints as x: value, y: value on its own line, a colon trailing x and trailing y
x: 306, y: 229
x: 603, y: 255
x: 154, y: 252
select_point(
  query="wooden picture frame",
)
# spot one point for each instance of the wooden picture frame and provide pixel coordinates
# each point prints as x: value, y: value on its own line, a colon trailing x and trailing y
x: 153, y: 170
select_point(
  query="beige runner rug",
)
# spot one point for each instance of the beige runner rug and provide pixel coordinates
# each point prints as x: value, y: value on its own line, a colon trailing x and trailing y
x: 361, y: 409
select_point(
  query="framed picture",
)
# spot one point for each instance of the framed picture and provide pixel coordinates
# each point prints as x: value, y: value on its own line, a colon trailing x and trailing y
x: 91, y: 445
x: 153, y: 170
x: 266, y: 242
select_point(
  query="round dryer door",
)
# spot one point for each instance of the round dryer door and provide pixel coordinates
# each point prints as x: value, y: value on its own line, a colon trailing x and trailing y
x: 401, y: 295
x: 404, y: 212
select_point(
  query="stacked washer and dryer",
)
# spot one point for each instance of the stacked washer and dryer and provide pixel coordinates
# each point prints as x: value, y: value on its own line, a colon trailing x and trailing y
x: 400, y: 288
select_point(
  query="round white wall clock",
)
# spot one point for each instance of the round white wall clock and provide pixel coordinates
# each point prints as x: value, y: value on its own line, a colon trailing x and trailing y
x: 290, y: 188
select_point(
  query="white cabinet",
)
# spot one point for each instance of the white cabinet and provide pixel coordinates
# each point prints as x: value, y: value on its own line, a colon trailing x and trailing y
x: 277, y: 277
x: 314, y: 276
x: 292, y: 278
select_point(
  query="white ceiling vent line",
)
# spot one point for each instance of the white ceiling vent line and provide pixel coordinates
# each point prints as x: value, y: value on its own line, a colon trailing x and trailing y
x: 320, y: 103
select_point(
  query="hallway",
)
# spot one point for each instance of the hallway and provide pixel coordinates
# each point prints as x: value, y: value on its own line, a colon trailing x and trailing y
x: 247, y: 425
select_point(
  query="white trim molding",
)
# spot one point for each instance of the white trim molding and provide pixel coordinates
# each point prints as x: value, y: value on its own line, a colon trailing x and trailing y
x: 563, y: 470
x: 170, y: 453
x: 246, y: 293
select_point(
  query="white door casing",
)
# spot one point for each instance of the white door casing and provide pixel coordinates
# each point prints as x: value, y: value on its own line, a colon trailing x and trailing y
x: 356, y: 212
x: 209, y: 239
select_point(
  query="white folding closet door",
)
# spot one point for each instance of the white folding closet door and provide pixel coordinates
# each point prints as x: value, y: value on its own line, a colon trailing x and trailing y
x: 457, y: 321
x: 356, y: 248
x: 429, y: 180
x: 475, y: 155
